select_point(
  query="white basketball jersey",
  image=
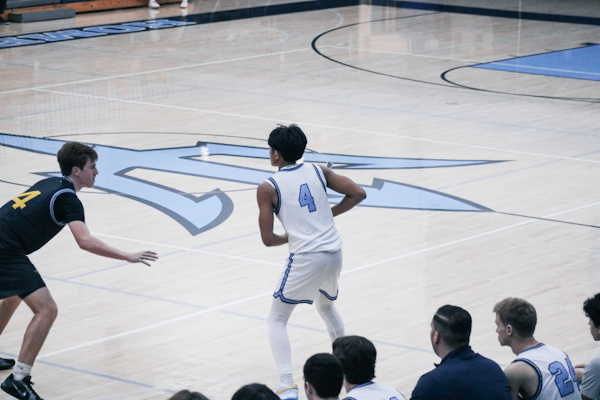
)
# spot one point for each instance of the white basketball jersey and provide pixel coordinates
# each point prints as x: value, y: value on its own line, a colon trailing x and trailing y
x: 373, y: 391
x: 303, y: 209
x: 557, y: 380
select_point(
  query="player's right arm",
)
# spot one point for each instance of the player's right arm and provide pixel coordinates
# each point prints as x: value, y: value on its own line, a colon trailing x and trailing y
x: 87, y: 242
x: 266, y: 196
x: 522, y: 379
x: 354, y: 194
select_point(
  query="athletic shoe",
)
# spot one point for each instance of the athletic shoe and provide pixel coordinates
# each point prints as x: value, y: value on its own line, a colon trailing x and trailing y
x: 6, y: 363
x: 184, y: 3
x: 289, y: 393
x: 22, y: 390
x: 153, y: 4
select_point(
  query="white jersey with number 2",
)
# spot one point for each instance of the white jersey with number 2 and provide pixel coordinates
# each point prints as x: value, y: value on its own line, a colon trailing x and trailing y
x: 303, y: 209
x: 557, y: 380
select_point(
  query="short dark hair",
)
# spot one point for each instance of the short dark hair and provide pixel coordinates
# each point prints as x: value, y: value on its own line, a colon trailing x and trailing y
x: 358, y: 355
x: 453, y: 324
x: 290, y: 141
x: 519, y: 314
x: 187, y: 395
x: 254, y: 391
x: 591, y: 308
x: 75, y: 154
x: 325, y: 373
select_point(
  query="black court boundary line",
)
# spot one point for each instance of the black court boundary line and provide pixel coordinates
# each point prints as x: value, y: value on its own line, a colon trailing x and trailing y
x: 458, y: 85
x: 489, y: 12
x: 298, y: 7
x: 443, y: 76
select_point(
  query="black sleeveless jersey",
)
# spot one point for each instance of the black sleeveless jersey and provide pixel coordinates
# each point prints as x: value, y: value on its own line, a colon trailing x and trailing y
x: 30, y: 220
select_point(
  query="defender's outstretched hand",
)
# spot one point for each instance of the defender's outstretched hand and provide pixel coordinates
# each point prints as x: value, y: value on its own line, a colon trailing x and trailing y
x: 144, y: 257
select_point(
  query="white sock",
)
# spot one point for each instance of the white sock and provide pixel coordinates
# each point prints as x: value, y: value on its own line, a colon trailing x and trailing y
x: 280, y: 342
x: 21, y: 371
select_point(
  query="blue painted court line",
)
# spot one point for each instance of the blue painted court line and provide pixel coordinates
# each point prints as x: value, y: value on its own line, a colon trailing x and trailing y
x: 578, y: 63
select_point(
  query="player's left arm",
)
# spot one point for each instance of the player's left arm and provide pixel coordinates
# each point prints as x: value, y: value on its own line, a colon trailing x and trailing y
x: 87, y: 242
x: 354, y: 194
x: 522, y: 378
x: 266, y: 196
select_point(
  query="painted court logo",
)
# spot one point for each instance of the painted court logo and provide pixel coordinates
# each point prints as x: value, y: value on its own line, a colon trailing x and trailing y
x: 93, y: 31
x: 201, y: 213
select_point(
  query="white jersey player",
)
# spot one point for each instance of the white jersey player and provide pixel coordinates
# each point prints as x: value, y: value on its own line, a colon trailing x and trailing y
x: 297, y: 195
x: 373, y: 391
x: 540, y: 372
x: 358, y: 356
x: 556, y: 376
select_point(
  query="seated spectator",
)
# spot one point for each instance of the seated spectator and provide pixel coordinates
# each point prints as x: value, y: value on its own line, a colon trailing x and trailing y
x: 187, y: 395
x: 254, y: 391
x: 540, y: 371
x: 462, y: 374
x: 589, y: 374
x: 323, y: 377
x: 358, y: 356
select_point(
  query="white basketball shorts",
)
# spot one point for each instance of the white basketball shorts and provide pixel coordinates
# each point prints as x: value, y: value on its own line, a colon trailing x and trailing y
x: 308, y: 274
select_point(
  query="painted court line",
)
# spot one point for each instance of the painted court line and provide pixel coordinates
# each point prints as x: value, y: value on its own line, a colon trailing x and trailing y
x: 321, y: 126
x: 155, y: 325
x: 151, y: 72
x: 264, y: 294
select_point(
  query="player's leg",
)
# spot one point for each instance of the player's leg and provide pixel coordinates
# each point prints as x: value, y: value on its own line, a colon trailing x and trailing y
x: 7, y: 309
x: 280, y: 342
x: 333, y: 320
x: 18, y: 384
x: 44, y: 313
x: 332, y: 267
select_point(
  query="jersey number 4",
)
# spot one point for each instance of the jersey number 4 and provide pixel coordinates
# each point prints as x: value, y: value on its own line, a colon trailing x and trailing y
x: 23, y: 198
x: 305, y: 198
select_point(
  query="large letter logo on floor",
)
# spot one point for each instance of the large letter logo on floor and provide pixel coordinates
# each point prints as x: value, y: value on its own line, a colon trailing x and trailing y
x: 198, y: 214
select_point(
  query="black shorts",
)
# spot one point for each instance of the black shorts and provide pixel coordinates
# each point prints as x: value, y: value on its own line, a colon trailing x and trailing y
x: 18, y: 277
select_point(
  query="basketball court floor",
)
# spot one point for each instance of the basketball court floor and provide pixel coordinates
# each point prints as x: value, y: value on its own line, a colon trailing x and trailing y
x: 473, y: 130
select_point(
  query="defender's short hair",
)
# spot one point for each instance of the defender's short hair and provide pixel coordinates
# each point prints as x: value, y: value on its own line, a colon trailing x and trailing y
x: 325, y: 373
x: 591, y: 307
x: 74, y: 154
x: 290, y: 141
x: 453, y: 324
x: 358, y: 356
x: 519, y: 314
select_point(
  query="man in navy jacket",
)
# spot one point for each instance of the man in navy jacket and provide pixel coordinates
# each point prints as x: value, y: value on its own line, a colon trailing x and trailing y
x: 462, y: 374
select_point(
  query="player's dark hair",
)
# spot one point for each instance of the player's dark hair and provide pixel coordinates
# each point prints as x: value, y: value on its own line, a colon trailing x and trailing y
x: 187, y: 395
x: 453, y: 324
x: 254, y: 391
x: 591, y: 308
x: 75, y: 154
x: 358, y: 355
x: 518, y: 313
x: 325, y: 373
x: 290, y: 141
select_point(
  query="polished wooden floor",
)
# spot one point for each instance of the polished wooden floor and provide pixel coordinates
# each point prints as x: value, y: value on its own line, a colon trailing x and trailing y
x: 360, y: 80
